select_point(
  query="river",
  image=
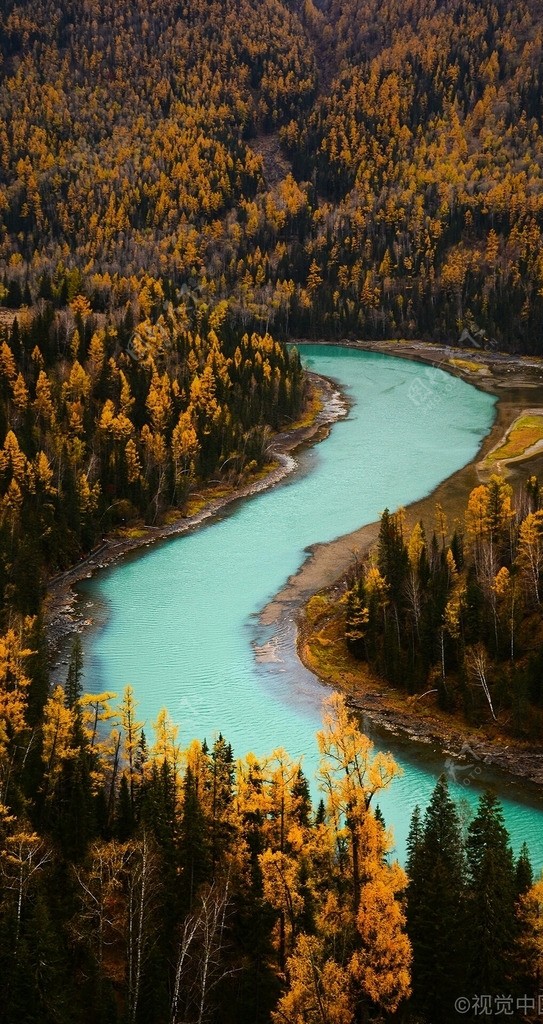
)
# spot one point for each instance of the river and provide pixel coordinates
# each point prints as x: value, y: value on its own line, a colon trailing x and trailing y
x: 180, y: 621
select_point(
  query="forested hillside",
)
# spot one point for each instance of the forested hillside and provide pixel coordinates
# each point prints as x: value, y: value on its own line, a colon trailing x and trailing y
x: 184, y: 186
x: 140, y: 148
x: 97, y: 435
x: 450, y: 617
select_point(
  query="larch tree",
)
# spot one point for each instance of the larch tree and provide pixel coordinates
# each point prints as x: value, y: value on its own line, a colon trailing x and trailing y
x: 350, y: 777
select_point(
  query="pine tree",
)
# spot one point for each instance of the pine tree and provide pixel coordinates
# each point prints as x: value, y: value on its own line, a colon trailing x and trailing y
x: 302, y: 797
x: 221, y: 783
x: 124, y: 812
x: 73, y: 688
x: 491, y: 898
x: 193, y: 848
x: 392, y: 557
x: 414, y: 842
x: 524, y: 874
x: 435, y: 905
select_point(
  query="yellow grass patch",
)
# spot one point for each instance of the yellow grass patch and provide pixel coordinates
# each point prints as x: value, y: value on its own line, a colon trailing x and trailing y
x: 316, y: 607
x: 525, y: 432
x: 467, y: 364
x: 131, y: 532
x: 311, y: 411
x: 171, y: 516
x: 197, y: 502
x: 259, y: 474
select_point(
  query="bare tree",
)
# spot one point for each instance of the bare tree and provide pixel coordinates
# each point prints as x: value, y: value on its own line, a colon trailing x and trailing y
x: 143, y: 884
x: 23, y: 857
x: 200, y: 964
x: 100, y: 921
x: 118, y: 920
x: 477, y: 661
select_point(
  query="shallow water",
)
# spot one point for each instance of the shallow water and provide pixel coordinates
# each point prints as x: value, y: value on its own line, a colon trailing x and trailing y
x: 180, y: 620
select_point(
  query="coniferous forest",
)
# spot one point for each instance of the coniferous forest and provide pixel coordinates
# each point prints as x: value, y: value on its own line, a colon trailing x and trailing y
x: 461, y: 616
x: 184, y: 187
x: 161, y: 884
x: 322, y: 169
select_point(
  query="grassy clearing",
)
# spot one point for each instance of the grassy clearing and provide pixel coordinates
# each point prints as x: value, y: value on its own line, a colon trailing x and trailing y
x: 259, y: 474
x: 201, y: 499
x: 324, y: 649
x: 316, y: 608
x: 172, y: 516
x: 525, y: 432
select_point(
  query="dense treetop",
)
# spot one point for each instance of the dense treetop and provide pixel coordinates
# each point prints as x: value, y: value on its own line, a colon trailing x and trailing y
x: 182, y: 186
x: 168, y: 883
x: 105, y: 426
x: 459, y: 617
x: 144, y: 140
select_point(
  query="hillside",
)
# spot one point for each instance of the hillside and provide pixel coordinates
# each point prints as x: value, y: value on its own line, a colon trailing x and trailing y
x: 185, y: 186
x: 132, y: 162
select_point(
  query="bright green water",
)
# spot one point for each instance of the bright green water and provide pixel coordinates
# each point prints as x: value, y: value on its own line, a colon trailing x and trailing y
x: 182, y: 618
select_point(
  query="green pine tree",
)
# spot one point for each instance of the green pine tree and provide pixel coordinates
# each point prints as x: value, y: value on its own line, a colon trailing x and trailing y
x: 524, y: 873
x: 435, y: 905
x: 193, y: 846
x: 491, y: 901
x: 73, y: 688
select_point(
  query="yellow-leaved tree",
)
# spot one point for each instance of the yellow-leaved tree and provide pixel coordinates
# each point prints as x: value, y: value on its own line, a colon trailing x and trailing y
x: 530, y: 947
x: 360, y: 955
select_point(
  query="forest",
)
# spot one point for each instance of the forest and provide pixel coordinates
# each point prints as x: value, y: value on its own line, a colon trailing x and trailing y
x: 177, y: 885
x: 459, y: 615
x: 323, y: 168
x: 185, y: 186
x: 105, y: 426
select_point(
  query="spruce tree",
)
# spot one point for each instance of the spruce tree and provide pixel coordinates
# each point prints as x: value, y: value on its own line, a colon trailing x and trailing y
x: 524, y: 874
x: 491, y: 900
x: 414, y: 842
x: 392, y: 557
x: 221, y: 782
x: 73, y: 688
x: 193, y: 848
x: 124, y: 812
x: 435, y: 905
x: 301, y: 793
x: 320, y: 813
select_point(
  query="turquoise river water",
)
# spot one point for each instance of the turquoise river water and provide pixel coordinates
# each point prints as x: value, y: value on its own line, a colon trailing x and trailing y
x: 179, y: 622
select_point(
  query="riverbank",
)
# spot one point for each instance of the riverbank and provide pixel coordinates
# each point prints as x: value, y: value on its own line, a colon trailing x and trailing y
x: 518, y: 385
x: 62, y: 619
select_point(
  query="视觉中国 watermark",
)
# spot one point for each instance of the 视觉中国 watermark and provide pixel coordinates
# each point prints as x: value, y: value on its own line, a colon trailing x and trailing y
x: 503, y: 1005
